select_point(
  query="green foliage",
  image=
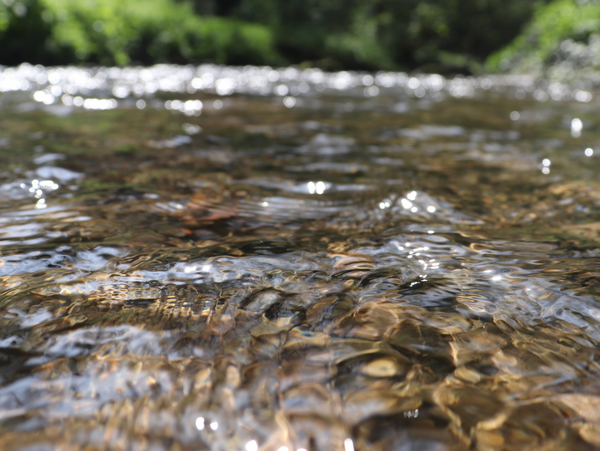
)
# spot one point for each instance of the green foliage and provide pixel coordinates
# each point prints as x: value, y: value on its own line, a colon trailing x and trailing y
x: 22, y: 31
x: 537, y: 48
x: 4, y: 17
x: 122, y: 32
x: 432, y: 35
x: 359, y: 44
x: 464, y: 32
x: 388, y: 34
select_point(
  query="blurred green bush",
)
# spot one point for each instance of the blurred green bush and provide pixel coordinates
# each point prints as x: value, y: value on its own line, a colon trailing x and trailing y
x: 563, y: 36
x: 123, y: 32
x: 427, y: 35
x: 438, y: 35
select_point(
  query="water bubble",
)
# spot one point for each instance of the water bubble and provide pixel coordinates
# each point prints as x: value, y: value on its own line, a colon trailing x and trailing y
x: 99, y: 104
x: 371, y: 91
x: 225, y: 86
x: 200, y: 423
x: 303, y: 87
x: 582, y: 96
x: 191, y: 129
x: 413, y: 83
x: 589, y: 152
x: 217, y: 104
x: 141, y: 104
x: 214, y: 425
x: 197, y: 83
x: 368, y: 80
x: 120, y: 91
x: 348, y: 445
x: 41, y: 79
x: 515, y: 115
x: 406, y: 204
x: 49, y: 184
x: 576, y: 127
x: 289, y: 102
x: 281, y: 90
x: 540, y: 95
x: 39, y: 96
x: 546, y: 162
x: 486, y: 83
x: 320, y: 187
x: 251, y: 446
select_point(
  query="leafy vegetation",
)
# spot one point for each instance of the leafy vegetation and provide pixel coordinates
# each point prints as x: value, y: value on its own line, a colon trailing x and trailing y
x: 427, y: 35
x: 442, y: 35
x: 123, y: 32
x: 563, y: 35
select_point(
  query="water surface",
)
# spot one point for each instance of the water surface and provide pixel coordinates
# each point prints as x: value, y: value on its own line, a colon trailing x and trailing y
x: 216, y: 258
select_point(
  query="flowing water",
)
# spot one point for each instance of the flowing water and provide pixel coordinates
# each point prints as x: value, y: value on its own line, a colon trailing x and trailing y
x: 251, y: 259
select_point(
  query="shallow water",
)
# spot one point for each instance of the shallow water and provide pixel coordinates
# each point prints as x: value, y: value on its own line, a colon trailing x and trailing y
x: 253, y: 259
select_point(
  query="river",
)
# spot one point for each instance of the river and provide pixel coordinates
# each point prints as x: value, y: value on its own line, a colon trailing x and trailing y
x: 249, y: 258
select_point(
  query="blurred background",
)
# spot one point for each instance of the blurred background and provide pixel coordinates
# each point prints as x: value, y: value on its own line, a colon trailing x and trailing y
x: 443, y: 36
